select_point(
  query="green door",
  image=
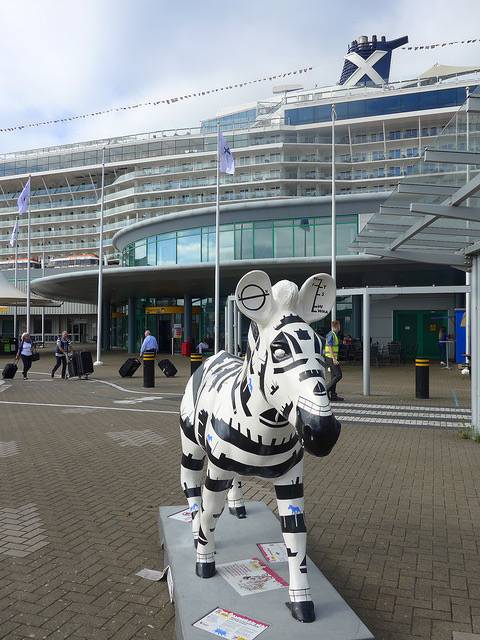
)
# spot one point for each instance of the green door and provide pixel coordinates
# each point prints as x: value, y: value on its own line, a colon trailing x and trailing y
x: 406, y: 330
x: 419, y: 328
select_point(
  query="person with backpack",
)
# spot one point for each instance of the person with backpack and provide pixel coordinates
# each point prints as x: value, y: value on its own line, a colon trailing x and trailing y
x: 26, y: 350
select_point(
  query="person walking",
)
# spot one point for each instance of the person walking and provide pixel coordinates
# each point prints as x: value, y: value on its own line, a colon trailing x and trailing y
x: 442, y: 343
x: 26, y: 350
x: 64, y: 347
x: 331, y: 357
x: 149, y: 344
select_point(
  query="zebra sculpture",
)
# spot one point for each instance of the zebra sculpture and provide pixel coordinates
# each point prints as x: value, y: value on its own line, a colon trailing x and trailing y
x: 255, y: 417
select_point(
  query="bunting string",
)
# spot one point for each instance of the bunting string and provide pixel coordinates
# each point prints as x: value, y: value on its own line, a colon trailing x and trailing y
x: 442, y: 44
x: 154, y: 103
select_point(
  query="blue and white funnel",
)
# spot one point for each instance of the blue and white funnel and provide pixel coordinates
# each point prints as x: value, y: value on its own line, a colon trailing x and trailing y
x: 368, y: 61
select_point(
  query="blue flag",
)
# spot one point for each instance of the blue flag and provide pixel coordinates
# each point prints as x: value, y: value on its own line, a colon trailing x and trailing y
x: 227, y: 163
x: 14, y: 233
x: 23, y: 198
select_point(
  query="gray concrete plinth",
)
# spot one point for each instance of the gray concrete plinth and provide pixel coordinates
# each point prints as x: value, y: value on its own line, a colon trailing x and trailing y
x: 237, y: 540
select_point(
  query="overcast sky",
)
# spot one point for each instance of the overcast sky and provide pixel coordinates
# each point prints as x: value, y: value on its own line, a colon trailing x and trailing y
x: 60, y: 58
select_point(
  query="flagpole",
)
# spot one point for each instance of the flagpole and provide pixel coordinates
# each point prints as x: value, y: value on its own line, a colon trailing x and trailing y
x: 100, y: 270
x: 334, y: 221
x: 217, y: 249
x: 28, y: 260
x: 43, y: 275
x: 16, y: 271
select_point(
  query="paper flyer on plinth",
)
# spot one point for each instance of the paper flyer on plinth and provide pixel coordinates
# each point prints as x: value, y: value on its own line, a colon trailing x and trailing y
x: 230, y: 625
x: 250, y: 576
x: 184, y: 516
x: 274, y: 551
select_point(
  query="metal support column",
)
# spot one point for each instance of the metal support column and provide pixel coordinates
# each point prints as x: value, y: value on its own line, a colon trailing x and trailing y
x: 366, y: 344
x: 106, y: 325
x: 475, y: 341
x: 131, y: 337
x: 229, y: 323
x: 235, y: 329
x: 356, y: 330
x: 187, y: 317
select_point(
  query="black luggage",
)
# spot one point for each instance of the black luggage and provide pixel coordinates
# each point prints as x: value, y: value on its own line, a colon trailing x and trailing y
x: 80, y: 364
x: 129, y: 367
x: 87, y: 362
x: 9, y: 371
x: 168, y: 368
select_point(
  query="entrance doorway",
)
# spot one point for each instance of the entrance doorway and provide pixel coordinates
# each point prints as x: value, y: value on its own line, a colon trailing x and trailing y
x: 164, y: 333
x: 420, y: 328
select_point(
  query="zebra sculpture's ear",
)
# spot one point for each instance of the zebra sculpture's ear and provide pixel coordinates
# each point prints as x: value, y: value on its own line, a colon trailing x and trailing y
x: 316, y: 297
x: 254, y: 296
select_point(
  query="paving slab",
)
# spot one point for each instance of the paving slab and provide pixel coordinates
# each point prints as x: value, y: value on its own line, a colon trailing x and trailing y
x: 392, y: 514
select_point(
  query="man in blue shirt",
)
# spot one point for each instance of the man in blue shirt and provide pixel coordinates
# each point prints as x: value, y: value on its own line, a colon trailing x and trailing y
x: 149, y: 344
x: 331, y: 358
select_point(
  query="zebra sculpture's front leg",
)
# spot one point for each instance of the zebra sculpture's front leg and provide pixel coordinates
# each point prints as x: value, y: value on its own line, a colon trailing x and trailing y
x: 213, y: 501
x: 193, y: 457
x: 291, y: 511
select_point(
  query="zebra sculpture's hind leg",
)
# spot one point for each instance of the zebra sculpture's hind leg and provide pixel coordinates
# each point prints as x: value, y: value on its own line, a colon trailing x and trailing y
x: 291, y: 511
x: 236, y: 505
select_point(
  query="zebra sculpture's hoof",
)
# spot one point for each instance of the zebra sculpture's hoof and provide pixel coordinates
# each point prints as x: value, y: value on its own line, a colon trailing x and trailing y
x: 302, y: 611
x: 240, y: 512
x: 205, y: 569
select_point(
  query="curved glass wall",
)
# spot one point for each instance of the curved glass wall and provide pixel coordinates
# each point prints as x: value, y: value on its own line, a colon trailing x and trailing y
x: 292, y: 238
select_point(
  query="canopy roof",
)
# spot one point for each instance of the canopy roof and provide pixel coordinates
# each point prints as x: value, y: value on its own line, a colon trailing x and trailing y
x: 11, y: 296
x: 446, y: 71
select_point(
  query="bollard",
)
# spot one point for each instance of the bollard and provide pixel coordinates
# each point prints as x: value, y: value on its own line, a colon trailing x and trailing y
x: 149, y: 369
x: 422, y: 369
x: 196, y: 360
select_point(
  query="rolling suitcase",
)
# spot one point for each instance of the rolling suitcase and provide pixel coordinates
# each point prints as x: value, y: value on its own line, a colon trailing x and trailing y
x: 74, y: 370
x: 168, y: 368
x: 9, y: 371
x: 80, y: 364
x: 129, y: 367
x: 87, y: 362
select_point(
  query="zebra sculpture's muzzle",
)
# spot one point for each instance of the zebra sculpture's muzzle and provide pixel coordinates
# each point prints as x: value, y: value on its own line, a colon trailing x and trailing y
x: 318, y: 433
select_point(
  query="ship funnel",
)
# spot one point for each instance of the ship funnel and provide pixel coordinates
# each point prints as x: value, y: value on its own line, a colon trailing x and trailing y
x: 368, y: 61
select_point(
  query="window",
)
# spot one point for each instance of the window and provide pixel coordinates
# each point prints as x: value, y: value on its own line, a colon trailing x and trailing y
x: 394, y: 135
x: 259, y: 159
x: 394, y: 153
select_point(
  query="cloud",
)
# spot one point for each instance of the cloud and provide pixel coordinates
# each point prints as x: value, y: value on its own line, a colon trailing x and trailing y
x: 61, y: 59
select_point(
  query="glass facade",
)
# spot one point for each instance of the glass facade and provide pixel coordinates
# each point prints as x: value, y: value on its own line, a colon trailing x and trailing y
x: 398, y: 103
x: 265, y: 239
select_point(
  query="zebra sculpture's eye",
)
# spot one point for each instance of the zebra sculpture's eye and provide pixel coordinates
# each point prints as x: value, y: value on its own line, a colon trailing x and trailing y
x: 280, y: 350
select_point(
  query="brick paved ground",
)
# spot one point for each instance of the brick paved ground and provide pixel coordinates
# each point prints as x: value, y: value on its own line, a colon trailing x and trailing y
x: 393, y: 514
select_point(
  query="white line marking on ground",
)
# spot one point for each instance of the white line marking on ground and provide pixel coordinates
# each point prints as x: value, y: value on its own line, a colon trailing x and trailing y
x: 80, y: 406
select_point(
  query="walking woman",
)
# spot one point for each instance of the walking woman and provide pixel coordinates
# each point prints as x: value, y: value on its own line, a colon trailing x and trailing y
x: 26, y: 350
